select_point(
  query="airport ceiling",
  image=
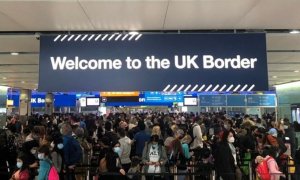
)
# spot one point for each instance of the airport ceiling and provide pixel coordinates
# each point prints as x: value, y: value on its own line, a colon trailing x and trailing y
x: 22, y: 21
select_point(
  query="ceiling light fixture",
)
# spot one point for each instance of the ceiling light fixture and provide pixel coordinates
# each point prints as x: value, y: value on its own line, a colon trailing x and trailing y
x: 133, y: 33
x: 294, y: 32
x: 296, y: 71
x: 23, y: 82
x: 4, y: 78
x: 14, y: 53
x: 274, y: 76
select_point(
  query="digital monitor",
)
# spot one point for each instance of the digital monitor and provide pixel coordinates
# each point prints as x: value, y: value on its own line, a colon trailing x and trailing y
x: 82, y: 102
x: 190, y: 101
x: 92, y: 101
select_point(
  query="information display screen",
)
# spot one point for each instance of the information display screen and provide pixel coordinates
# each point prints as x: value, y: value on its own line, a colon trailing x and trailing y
x: 92, y: 101
x: 190, y: 101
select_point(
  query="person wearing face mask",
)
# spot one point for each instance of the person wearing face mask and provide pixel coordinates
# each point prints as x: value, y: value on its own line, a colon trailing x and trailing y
x: 22, y: 172
x: 271, y: 155
x: 112, y: 163
x: 29, y: 149
x: 154, y: 158
x: 45, y: 162
x: 226, y: 158
x: 289, y: 136
x: 56, y: 148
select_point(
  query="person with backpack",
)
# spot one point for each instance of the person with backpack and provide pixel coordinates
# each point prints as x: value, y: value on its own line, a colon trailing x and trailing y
x: 72, y: 151
x: 272, y: 166
x: 196, y: 135
x: 46, y: 170
x: 56, y: 148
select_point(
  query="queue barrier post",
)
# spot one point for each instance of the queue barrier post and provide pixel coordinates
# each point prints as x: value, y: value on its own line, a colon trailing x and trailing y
x: 175, y: 172
x: 193, y: 167
x: 250, y: 171
x: 213, y: 175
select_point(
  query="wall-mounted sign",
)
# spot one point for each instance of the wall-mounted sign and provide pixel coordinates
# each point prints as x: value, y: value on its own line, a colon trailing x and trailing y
x: 119, y: 94
x: 170, y: 62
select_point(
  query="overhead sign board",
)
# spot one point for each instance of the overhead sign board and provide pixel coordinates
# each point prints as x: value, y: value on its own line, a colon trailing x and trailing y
x: 136, y: 62
x: 266, y: 100
x: 212, y: 100
x: 236, y: 100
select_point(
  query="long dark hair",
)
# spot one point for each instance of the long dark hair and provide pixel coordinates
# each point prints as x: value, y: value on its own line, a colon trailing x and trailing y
x: 176, y: 147
x: 25, y: 162
x: 225, y: 136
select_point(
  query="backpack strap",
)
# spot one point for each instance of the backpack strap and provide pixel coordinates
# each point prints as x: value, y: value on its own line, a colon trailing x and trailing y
x: 51, y: 164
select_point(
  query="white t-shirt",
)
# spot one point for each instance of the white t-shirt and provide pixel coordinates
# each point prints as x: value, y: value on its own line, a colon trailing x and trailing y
x: 154, y: 157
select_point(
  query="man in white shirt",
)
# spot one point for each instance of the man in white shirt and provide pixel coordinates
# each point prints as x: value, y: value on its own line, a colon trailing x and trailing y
x: 197, y: 135
x: 125, y: 143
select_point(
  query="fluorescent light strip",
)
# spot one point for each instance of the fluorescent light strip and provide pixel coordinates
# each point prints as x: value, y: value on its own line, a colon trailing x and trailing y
x: 201, y: 88
x: 222, y: 88
x: 124, y: 37
x: 77, y: 37
x: 187, y: 88
x: 208, y: 88
x: 131, y: 37
x: 173, y: 88
x: 230, y: 87
x: 104, y: 37
x: 118, y: 37
x: 195, y: 87
x: 179, y: 89
x: 56, y: 38
x: 217, y: 86
x: 112, y: 36
x: 71, y: 37
x: 96, y: 39
x: 91, y: 37
x: 250, y: 89
x: 167, y: 87
x: 243, y: 89
x: 62, y: 39
x: 138, y: 37
x: 237, y: 88
x: 85, y: 36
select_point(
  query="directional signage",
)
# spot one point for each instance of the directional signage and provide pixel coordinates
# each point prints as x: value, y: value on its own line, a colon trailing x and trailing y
x: 236, y: 100
x: 212, y: 100
x: 267, y: 100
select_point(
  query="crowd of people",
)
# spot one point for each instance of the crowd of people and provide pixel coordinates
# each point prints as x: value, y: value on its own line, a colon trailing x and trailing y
x: 121, y: 145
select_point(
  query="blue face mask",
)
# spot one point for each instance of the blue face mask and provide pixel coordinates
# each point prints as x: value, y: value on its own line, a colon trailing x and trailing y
x: 60, y: 146
x: 118, y: 150
x: 19, y: 164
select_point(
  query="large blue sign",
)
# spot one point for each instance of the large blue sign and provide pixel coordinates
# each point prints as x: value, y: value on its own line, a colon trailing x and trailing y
x: 170, y: 62
x: 236, y: 100
x: 164, y: 97
x: 261, y: 100
x: 212, y: 100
